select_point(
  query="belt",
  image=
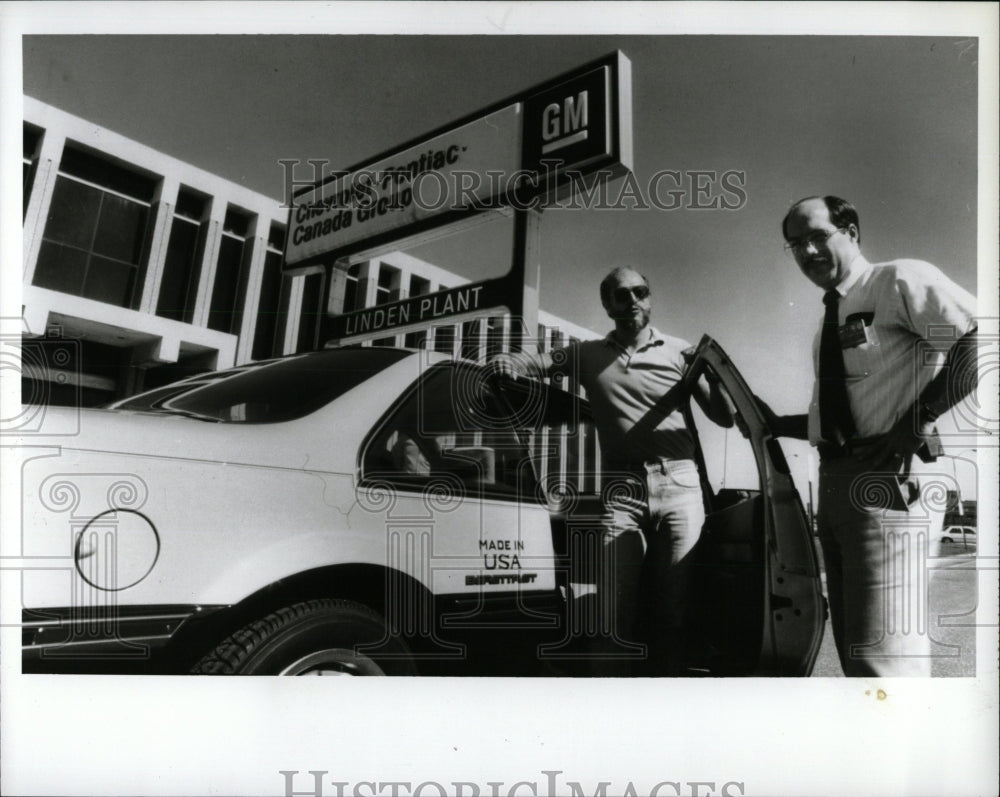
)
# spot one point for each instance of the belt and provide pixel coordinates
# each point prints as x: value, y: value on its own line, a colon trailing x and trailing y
x: 928, y: 452
x: 851, y: 448
x: 652, y: 464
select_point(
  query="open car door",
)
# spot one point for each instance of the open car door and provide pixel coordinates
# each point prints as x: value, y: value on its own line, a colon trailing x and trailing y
x: 757, y: 607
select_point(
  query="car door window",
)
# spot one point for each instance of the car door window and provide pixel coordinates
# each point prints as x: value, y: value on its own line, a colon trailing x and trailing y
x: 730, y: 463
x: 451, y: 428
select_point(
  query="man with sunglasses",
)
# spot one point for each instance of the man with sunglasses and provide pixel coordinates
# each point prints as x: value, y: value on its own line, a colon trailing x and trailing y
x: 897, y: 349
x: 654, y: 509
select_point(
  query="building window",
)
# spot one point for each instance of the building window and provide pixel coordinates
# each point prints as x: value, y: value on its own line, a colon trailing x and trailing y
x: 470, y: 339
x: 226, y: 310
x: 179, y: 285
x: 382, y: 290
x: 351, y: 288
x: 182, y: 266
x: 418, y: 287
x: 387, y: 289
x: 270, y: 293
x: 574, y: 382
x: 70, y: 372
x: 312, y: 309
x: 444, y: 339
x: 276, y: 237
x: 95, y: 234
x: 494, y: 336
x: 281, y: 325
x: 32, y: 139
x: 415, y: 340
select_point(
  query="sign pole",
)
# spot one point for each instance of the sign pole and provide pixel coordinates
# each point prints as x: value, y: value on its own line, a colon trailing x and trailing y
x: 524, y: 278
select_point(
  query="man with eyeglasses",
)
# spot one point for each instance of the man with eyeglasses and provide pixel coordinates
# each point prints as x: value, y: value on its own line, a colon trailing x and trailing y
x: 896, y: 350
x: 654, y: 509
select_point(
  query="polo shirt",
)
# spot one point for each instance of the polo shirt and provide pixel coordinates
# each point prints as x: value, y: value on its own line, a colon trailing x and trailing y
x: 624, y: 389
x: 912, y: 315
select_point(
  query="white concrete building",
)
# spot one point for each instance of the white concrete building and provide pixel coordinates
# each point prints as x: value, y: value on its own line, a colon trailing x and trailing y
x: 140, y: 268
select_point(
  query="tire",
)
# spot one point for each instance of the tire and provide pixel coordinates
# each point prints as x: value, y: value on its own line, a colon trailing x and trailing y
x: 316, y: 637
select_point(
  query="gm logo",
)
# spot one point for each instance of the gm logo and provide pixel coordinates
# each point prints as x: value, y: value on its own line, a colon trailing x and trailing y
x: 569, y: 125
x: 566, y: 125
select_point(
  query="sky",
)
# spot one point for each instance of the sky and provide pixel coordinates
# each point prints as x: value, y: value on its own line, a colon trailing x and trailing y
x: 888, y: 122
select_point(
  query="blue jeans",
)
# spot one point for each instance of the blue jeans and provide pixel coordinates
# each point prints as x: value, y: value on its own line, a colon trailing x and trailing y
x: 876, y: 565
x: 651, y: 522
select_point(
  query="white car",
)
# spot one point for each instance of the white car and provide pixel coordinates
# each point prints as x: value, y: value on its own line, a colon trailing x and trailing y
x: 368, y: 511
x: 965, y: 535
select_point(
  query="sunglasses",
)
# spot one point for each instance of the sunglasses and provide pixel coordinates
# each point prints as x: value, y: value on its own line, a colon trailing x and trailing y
x: 623, y: 295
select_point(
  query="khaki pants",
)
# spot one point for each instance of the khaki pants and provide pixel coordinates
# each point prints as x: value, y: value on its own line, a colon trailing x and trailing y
x: 875, y: 552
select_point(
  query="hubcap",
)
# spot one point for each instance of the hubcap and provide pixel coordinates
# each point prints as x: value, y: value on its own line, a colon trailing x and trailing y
x: 334, y: 661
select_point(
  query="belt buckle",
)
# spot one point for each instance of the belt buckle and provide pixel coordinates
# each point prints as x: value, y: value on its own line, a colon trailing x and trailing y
x: 657, y: 465
x: 830, y: 451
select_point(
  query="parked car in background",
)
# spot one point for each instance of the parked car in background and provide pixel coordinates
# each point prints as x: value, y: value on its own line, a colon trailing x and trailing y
x: 961, y: 512
x: 962, y: 535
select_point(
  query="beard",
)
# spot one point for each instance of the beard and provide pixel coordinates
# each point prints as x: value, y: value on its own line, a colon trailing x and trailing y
x: 632, y: 320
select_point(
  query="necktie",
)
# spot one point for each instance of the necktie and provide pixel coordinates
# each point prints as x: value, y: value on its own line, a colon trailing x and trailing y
x: 836, y: 423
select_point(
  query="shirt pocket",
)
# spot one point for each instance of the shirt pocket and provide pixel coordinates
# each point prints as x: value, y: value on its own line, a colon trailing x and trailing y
x: 866, y: 358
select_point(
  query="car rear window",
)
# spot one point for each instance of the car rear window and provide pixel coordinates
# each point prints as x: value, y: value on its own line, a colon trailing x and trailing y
x: 280, y: 391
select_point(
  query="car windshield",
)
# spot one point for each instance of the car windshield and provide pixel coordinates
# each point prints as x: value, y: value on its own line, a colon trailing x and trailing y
x: 280, y: 391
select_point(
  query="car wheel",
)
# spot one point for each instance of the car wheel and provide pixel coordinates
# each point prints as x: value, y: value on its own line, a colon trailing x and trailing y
x: 946, y: 539
x: 317, y: 637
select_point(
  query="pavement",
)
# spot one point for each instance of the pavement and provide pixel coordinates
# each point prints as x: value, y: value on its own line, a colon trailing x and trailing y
x: 952, y: 599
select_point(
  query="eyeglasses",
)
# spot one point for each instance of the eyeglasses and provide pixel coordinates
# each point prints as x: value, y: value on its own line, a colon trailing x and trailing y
x: 815, y: 240
x: 623, y: 295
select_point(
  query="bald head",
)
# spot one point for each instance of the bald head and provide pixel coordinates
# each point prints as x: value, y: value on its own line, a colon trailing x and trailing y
x: 619, y: 276
x: 842, y: 213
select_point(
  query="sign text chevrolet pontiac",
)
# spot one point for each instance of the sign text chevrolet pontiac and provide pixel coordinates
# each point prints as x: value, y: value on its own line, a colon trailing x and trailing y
x: 509, y: 155
x: 368, y: 511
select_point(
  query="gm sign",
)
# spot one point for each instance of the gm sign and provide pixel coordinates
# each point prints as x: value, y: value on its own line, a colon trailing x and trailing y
x: 567, y: 125
x: 570, y: 126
